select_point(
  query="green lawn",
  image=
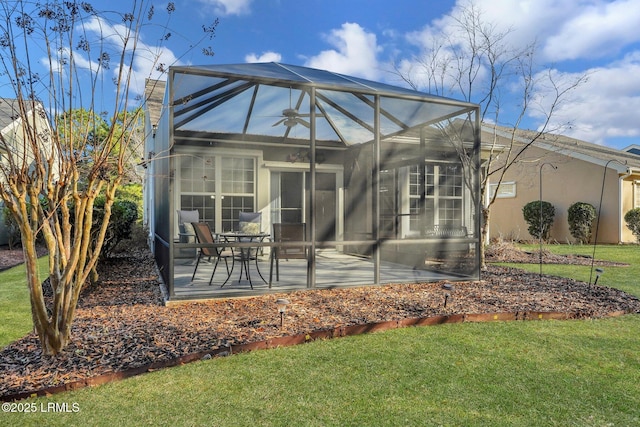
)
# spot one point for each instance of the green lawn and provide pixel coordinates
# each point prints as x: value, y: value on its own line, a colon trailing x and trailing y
x: 624, y: 278
x: 15, y: 310
x: 547, y: 373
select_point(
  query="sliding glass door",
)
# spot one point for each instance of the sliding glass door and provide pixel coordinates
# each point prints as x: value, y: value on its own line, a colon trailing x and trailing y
x: 290, y: 199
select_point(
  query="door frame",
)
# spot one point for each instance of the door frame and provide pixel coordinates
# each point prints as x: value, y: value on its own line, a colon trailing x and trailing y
x: 338, y: 170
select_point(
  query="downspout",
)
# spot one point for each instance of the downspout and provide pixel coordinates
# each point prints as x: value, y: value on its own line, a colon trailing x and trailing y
x: 620, y: 202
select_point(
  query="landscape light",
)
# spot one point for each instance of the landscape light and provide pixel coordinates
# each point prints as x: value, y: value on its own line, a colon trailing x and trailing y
x: 282, y: 308
x: 449, y: 288
x: 599, y: 271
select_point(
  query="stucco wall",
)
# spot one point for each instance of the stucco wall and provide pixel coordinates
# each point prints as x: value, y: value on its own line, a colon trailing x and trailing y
x: 628, y: 203
x: 573, y: 181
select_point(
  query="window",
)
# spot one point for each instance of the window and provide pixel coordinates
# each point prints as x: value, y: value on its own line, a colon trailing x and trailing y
x: 197, y: 185
x: 636, y: 194
x: 505, y: 190
x: 238, y: 179
x: 443, y: 195
x: 207, y: 179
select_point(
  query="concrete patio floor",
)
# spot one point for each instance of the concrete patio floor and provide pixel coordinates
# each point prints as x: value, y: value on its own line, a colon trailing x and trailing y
x: 333, y: 270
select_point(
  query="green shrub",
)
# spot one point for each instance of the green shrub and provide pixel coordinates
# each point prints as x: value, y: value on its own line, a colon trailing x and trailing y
x: 539, y: 215
x: 632, y: 218
x: 11, y: 227
x: 124, y: 214
x: 581, y: 216
x: 131, y: 192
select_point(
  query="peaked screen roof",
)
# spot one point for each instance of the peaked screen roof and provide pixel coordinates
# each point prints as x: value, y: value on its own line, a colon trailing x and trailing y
x: 275, y: 100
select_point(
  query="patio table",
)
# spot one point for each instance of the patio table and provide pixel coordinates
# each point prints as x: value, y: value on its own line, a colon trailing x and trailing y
x: 242, y: 242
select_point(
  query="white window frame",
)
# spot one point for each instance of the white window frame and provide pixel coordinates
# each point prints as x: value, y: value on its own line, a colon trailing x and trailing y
x: 506, y: 190
x: 218, y: 192
x: 438, y: 196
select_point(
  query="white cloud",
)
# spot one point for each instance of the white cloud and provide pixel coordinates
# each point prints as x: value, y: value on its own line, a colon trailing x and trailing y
x: 355, y: 52
x: 268, y: 56
x: 564, y: 29
x: 145, y: 60
x: 522, y: 21
x: 575, y: 36
x: 604, y: 107
x: 595, y: 31
x: 229, y: 7
x: 80, y: 61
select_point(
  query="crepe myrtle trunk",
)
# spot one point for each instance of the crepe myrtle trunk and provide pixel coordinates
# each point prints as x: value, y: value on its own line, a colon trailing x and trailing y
x: 73, y: 255
x: 484, y: 231
x: 62, y: 154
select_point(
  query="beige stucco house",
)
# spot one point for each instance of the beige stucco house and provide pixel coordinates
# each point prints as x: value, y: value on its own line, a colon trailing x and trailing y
x: 565, y: 171
x: 12, y: 145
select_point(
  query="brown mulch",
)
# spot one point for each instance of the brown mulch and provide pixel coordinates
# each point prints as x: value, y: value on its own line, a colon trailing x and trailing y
x: 123, y: 324
x: 505, y: 251
x: 14, y: 256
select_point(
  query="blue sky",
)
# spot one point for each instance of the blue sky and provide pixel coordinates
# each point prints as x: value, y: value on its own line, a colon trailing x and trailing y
x: 597, y: 38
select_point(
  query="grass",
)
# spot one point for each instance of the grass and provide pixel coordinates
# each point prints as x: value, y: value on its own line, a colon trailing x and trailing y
x: 548, y: 373
x: 623, y: 278
x: 15, y: 308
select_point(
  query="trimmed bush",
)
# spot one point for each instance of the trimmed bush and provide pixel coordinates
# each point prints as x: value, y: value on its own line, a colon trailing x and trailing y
x: 581, y: 216
x: 632, y: 218
x: 132, y: 192
x: 124, y: 214
x: 11, y: 227
x: 540, y: 222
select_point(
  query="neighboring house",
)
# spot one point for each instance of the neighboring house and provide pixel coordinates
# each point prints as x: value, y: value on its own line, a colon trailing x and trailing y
x: 585, y: 172
x: 370, y: 169
x: 12, y: 144
x: 633, y: 149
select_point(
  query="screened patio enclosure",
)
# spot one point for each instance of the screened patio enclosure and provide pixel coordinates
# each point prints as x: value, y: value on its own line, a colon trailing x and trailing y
x: 384, y: 179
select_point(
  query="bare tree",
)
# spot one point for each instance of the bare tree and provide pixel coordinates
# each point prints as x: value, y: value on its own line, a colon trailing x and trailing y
x: 57, y: 161
x: 475, y: 61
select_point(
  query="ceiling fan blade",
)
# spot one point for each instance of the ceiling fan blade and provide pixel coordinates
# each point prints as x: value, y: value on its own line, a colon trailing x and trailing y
x: 302, y: 122
x: 279, y: 122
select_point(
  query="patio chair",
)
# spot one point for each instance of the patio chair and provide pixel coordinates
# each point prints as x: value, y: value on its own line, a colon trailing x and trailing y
x: 283, y: 233
x: 186, y: 233
x: 205, y: 236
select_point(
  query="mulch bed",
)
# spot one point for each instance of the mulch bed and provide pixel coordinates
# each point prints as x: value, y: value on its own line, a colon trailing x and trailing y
x: 122, y: 323
x: 505, y: 251
x: 14, y: 256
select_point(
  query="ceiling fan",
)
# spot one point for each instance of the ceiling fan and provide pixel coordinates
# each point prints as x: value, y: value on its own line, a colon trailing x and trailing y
x: 291, y: 116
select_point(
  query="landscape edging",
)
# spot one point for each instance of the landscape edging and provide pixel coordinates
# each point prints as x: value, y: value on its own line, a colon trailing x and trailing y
x: 287, y: 341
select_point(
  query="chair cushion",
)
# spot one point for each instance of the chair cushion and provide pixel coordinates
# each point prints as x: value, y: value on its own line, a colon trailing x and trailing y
x: 250, y: 222
x: 188, y: 216
x: 187, y: 233
x: 249, y: 227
